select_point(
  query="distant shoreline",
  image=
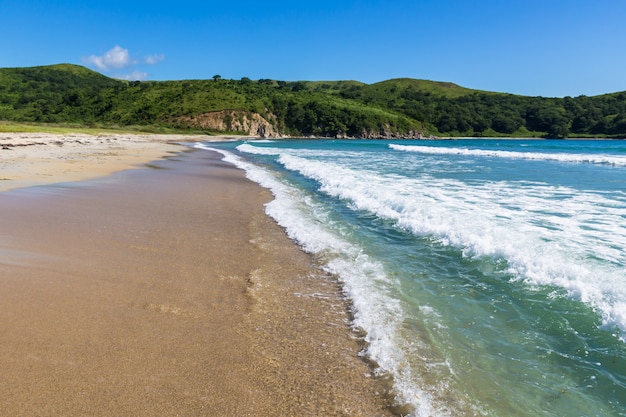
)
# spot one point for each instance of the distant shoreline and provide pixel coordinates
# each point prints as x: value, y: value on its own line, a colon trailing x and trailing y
x: 36, y: 158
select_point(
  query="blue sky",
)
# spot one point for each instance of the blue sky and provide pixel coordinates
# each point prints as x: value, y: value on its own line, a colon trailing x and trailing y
x: 532, y: 47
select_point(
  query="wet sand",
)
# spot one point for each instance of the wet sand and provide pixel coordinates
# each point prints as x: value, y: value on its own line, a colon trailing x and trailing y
x: 167, y: 291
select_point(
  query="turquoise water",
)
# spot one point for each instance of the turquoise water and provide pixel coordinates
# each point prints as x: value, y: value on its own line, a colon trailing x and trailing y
x: 489, y: 275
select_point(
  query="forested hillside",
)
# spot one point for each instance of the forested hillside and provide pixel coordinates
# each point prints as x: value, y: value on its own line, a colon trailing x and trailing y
x: 69, y: 94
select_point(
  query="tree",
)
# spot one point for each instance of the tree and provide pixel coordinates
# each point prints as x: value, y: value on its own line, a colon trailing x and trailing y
x: 217, y: 77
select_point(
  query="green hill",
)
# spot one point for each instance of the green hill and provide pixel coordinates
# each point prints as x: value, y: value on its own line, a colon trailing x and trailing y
x: 71, y: 94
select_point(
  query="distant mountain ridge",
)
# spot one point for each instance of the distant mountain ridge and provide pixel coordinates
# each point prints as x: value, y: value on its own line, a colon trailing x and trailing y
x: 397, y: 108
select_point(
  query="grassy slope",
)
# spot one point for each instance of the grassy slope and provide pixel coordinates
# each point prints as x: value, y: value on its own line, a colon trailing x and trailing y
x: 74, y: 95
x: 437, y: 88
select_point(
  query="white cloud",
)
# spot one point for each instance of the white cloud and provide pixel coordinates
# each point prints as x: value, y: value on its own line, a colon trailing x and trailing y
x: 154, y: 59
x: 117, y: 57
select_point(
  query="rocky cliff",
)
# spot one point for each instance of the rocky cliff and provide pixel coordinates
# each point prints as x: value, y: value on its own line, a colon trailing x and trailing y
x: 252, y: 124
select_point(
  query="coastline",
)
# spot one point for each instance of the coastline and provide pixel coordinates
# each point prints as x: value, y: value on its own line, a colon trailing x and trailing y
x: 165, y: 291
x: 28, y: 159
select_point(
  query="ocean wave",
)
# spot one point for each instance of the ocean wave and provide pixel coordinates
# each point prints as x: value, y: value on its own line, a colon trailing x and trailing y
x: 572, y: 242
x: 602, y: 159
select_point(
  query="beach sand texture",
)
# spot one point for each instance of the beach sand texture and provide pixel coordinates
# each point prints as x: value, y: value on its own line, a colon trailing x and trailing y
x: 28, y: 159
x: 167, y: 291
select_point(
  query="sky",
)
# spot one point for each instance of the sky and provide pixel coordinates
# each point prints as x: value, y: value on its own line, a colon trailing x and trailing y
x: 550, y: 48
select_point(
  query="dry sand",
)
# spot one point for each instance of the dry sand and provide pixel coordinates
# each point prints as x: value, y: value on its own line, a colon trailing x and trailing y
x: 28, y: 159
x: 166, y: 291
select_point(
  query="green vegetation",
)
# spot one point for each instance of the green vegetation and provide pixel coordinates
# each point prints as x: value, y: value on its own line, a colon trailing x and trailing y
x: 74, y: 96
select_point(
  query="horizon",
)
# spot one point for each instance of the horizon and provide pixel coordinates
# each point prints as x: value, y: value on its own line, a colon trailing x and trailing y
x: 526, y: 48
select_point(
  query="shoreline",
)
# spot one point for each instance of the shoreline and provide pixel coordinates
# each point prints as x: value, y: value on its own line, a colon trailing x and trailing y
x: 168, y: 290
x: 28, y: 159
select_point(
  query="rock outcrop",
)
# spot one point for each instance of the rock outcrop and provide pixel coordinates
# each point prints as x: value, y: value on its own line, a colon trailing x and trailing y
x: 253, y: 124
x: 250, y: 123
x: 386, y: 132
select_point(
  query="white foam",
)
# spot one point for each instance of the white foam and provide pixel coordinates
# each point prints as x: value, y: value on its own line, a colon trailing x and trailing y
x: 254, y: 149
x: 364, y: 280
x: 548, y: 236
x: 616, y: 160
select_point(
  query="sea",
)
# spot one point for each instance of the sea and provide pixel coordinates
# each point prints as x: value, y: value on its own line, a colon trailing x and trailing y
x: 488, y: 275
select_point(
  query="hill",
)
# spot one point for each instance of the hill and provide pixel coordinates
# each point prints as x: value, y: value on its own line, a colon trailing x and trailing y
x: 71, y: 94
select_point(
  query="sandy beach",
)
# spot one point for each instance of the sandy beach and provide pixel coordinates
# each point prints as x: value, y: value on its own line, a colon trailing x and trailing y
x: 162, y: 290
x: 28, y: 159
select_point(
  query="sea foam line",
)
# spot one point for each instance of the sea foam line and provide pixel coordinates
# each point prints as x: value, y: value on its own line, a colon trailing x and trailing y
x: 364, y: 280
x: 542, y: 240
x: 602, y: 159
